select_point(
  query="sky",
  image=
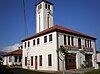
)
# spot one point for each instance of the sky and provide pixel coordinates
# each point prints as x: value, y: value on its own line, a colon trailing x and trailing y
x: 79, y: 15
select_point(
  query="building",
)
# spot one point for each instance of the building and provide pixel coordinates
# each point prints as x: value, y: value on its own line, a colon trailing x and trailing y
x: 13, y: 58
x: 40, y: 51
x: 98, y: 58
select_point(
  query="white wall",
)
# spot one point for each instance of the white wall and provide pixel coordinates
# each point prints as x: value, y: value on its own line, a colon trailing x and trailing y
x: 43, y: 12
x: 42, y: 49
x: 80, y: 57
x: 98, y: 57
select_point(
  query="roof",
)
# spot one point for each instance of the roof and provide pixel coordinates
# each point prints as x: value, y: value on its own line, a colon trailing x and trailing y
x: 14, y: 53
x: 44, y: 1
x: 59, y: 29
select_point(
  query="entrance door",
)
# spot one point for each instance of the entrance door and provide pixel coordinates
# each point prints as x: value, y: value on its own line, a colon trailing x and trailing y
x: 70, y: 61
x: 35, y: 62
x: 88, y: 58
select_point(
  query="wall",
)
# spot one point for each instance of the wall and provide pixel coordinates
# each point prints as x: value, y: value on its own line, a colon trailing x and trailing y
x: 80, y: 57
x: 42, y: 49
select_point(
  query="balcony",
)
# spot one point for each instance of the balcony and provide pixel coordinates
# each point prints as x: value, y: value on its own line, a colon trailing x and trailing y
x: 75, y: 48
x: 83, y: 48
x: 69, y: 47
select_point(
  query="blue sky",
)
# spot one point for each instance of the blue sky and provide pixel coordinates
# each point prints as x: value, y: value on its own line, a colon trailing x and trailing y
x: 79, y: 15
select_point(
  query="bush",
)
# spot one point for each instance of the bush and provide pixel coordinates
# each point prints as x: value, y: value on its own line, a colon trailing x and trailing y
x: 5, y: 70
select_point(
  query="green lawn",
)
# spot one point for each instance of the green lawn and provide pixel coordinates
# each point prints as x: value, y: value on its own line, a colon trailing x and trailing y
x: 6, y: 70
x: 94, y: 72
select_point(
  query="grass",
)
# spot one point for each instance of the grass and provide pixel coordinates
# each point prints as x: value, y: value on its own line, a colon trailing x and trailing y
x: 7, y: 70
x: 93, y: 72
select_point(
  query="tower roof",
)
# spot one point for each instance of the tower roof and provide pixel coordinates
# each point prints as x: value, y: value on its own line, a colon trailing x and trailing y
x: 45, y: 2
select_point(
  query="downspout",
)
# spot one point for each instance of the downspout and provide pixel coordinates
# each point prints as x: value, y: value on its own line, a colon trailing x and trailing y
x: 95, y: 56
x: 57, y: 50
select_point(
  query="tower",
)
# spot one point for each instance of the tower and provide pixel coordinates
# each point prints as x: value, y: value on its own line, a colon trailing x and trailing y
x: 44, y: 15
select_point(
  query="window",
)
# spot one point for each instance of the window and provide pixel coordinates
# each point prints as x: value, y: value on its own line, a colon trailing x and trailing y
x: 20, y: 58
x: 45, y: 39
x: 15, y: 58
x: 50, y: 37
x: 90, y: 43
x: 10, y: 58
x: 79, y: 43
x: 64, y: 39
x: 25, y: 44
x: 38, y: 41
x: 48, y: 20
x: 31, y: 60
x: 49, y: 60
x: 49, y: 7
x: 68, y: 40
x: 85, y: 43
x: 25, y: 61
x: 39, y: 23
x: 33, y: 42
x: 46, y: 6
x: 40, y: 60
x: 72, y: 41
x: 39, y: 7
x: 28, y: 44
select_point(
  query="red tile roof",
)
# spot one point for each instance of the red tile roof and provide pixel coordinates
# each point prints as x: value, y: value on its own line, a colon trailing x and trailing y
x: 59, y: 29
x: 14, y: 53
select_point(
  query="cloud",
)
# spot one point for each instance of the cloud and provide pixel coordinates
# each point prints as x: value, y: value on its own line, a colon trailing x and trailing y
x: 10, y: 48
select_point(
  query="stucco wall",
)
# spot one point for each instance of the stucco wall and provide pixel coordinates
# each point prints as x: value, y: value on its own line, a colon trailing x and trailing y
x: 42, y: 49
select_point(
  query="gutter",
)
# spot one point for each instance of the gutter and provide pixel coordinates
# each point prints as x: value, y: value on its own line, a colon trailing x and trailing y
x: 57, y: 50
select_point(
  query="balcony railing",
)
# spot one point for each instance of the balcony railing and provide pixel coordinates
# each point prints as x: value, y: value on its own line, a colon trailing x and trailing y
x: 83, y: 48
x: 69, y: 47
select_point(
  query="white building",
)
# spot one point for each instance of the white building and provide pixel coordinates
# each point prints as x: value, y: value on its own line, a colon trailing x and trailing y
x: 40, y: 51
x: 13, y: 58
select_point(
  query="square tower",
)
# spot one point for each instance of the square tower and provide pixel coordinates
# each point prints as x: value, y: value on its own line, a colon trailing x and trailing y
x: 44, y: 15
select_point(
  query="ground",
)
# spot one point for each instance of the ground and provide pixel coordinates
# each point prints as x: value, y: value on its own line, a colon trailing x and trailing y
x: 7, y: 70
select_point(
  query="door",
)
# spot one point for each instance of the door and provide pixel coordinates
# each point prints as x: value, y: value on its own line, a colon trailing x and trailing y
x: 70, y: 61
x: 88, y: 59
x: 35, y: 62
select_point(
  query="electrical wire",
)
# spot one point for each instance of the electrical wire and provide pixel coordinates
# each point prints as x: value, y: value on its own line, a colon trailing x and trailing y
x: 25, y: 23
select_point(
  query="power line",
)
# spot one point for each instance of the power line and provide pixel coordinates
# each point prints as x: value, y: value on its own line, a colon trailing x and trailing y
x: 25, y: 23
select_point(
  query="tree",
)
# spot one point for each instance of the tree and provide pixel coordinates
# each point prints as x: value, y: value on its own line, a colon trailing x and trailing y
x: 63, y: 52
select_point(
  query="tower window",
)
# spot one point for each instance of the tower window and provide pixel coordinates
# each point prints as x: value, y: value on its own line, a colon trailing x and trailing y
x: 39, y: 23
x: 48, y: 21
x: 39, y: 7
